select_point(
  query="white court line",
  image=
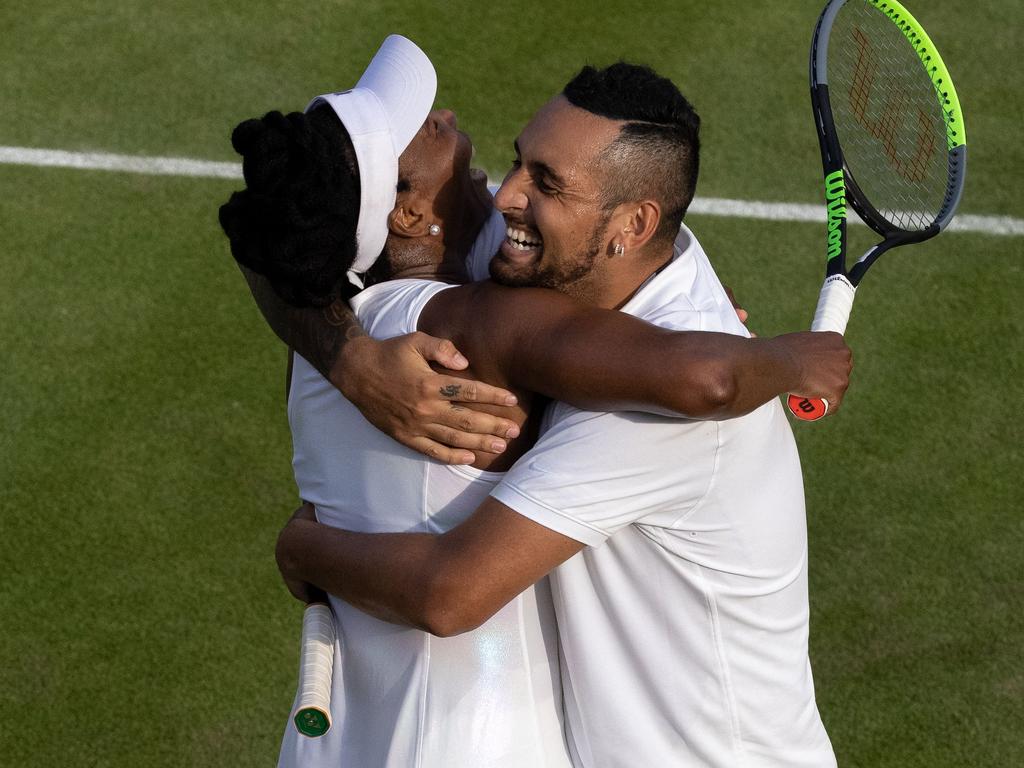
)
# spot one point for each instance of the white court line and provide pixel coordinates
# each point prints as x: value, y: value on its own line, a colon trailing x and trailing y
x: 708, y: 206
x: 753, y: 209
x: 101, y: 161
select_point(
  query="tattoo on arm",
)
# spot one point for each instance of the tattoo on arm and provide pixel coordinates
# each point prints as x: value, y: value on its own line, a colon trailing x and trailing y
x: 316, y: 334
x: 327, y: 331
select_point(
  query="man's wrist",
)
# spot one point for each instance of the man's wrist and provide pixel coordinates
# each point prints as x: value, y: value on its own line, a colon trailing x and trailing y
x: 784, y: 363
x: 354, y: 357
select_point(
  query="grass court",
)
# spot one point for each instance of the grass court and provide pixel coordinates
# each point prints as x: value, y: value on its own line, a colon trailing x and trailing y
x: 144, y: 451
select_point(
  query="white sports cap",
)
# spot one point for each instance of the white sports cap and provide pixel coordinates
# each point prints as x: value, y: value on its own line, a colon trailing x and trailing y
x: 382, y: 115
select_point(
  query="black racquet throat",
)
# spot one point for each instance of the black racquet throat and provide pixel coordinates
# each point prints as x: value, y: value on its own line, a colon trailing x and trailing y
x: 893, y: 145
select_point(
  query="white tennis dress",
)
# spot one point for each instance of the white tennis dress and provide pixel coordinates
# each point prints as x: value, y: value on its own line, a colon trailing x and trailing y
x: 402, y: 698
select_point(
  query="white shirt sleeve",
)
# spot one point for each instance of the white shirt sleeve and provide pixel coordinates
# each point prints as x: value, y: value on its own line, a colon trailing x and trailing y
x: 592, y: 474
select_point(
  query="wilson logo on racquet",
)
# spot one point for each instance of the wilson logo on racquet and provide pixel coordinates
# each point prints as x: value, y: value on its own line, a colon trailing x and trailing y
x: 835, y: 194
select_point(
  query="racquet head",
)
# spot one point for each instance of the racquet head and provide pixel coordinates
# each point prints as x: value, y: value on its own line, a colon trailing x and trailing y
x: 894, y: 146
x: 892, y: 139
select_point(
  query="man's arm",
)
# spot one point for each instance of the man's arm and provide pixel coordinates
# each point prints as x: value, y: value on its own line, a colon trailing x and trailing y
x: 598, y: 359
x: 391, y: 382
x: 444, y: 584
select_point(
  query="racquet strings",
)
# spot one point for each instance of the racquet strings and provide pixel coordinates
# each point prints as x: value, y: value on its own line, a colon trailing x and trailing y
x: 888, y: 117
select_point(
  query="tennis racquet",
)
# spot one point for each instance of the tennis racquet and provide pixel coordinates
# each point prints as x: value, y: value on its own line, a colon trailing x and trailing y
x: 892, y: 142
x: 312, y: 716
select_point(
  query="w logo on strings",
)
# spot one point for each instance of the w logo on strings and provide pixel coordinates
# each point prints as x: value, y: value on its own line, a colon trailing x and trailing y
x: 892, y: 120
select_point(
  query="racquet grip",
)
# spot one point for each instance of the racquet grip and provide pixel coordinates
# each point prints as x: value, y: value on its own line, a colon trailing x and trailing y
x: 834, y: 304
x: 312, y: 715
x: 833, y: 313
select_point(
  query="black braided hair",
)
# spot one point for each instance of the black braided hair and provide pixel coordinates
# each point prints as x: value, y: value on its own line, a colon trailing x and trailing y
x: 295, y: 222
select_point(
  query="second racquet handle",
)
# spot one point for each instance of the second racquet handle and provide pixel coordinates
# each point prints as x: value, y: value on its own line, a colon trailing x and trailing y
x: 833, y: 313
x: 312, y: 715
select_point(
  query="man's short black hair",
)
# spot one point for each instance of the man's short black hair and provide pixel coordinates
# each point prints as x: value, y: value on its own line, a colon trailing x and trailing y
x: 295, y: 222
x: 657, y: 153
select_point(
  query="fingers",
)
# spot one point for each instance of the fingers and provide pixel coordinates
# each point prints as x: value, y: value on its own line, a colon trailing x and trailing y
x: 463, y: 420
x: 440, y: 351
x: 442, y: 453
x: 741, y: 313
x: 826, y: 363
x: 486, y: 442
x: 443, y: 352
x: 470, y: 391
x: 458, y: 433
x: 454, y: 435
x: 428, y: 411
x: 449, y: 432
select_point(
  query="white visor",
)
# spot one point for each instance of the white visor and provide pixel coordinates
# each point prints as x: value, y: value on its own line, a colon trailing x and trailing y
x: 382, y: 114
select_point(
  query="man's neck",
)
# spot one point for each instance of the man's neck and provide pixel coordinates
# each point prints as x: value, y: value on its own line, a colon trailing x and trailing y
x: 624, y: 281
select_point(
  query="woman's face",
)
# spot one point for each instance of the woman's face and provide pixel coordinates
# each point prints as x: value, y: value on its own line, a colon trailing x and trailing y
x: 435, y: 166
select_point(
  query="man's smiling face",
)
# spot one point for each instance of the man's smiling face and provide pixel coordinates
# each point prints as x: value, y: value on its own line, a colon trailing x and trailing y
x: 552, y: 201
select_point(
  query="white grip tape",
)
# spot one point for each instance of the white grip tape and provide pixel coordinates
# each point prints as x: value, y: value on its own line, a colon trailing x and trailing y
x: 834, y: 304
x: 316, y: 659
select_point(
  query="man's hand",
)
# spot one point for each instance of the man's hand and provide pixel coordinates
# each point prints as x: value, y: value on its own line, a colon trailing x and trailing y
x: 393, y: 385
x: 392, y: 382
x: 823, y: 363
x: 286, y: 560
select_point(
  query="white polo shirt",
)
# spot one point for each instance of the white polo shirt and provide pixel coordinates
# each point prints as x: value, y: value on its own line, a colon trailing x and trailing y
x: 683, y: 624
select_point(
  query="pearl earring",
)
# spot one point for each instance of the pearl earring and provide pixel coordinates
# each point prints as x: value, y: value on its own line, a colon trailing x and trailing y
x: 434, y: 229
